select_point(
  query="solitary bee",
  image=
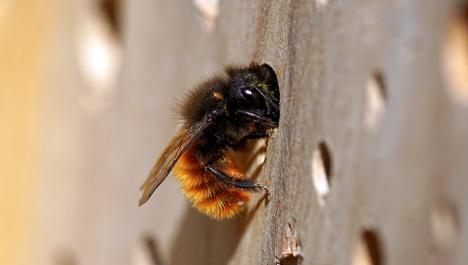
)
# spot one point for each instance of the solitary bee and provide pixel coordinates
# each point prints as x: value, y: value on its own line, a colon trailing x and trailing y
x: 219, y: 117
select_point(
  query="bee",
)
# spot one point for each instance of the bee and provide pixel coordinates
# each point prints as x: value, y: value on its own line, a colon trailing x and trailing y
x: 219, y: 117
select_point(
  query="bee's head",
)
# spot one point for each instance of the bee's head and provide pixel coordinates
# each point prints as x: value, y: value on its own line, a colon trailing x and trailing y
x: 255, y: 90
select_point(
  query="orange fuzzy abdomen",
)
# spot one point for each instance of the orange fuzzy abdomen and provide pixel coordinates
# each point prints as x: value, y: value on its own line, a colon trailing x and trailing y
x: 206, y: 192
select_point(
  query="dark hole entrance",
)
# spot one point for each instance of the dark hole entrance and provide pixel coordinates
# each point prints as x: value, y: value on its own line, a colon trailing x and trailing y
x: 368, y: 249
x: 327, y: 162
x: 111, y: 10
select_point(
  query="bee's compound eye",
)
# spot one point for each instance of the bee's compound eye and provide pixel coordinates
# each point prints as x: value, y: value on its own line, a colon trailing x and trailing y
x: 252, y: 96
x: 247, y: 93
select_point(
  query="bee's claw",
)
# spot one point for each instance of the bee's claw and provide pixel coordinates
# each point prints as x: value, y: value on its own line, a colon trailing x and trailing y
x: 259, y: 187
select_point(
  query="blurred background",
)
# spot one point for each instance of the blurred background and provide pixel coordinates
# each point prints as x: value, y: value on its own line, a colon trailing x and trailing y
x: 87, y: 92
x: 85, y: 110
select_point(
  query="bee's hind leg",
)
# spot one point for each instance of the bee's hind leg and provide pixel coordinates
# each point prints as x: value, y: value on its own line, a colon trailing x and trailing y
x: 242, y: 184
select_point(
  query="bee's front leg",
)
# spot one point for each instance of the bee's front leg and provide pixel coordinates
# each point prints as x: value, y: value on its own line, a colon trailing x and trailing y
x: 242, y: 184
x: 255, y: 135
x: 243, y: 141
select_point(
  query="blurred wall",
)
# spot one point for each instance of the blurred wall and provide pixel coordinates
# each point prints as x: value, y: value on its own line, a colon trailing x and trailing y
x: 86, y: 111
x: 25, y: 29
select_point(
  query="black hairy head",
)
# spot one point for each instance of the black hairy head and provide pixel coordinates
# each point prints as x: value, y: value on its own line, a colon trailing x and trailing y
x: 234, y: 95
x: 255, y: 76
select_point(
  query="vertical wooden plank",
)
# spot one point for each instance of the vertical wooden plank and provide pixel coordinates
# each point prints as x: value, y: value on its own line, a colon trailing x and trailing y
x: 383, y: 182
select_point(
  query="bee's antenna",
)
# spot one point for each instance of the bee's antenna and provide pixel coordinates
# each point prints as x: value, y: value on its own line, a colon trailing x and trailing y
x: 268, y: 100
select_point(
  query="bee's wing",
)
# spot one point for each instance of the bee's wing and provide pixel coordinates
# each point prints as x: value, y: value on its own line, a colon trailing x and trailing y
x: 178, y: 145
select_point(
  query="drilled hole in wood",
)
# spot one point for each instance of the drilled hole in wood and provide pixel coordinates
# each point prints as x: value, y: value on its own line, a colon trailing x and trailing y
x: 376, y: 97
x: 321, y: 171
x: 110, y: 10
x: 321, y: 3
x: 64, y: 257
x: 99, y: 56
x: 444, y: 224
x: 289, y: 261
x: 292, y: 249
x: 455, y: 55
x: 368, y: 250
x: 208, y: 11
x: 147, y: 252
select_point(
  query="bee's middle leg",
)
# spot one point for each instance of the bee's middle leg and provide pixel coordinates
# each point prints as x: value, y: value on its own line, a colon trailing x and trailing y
x: 242, y: 184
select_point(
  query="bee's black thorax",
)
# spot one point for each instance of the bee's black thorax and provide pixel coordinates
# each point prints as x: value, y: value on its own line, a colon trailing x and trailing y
x: 223, y: 134
x: 240, y: 102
